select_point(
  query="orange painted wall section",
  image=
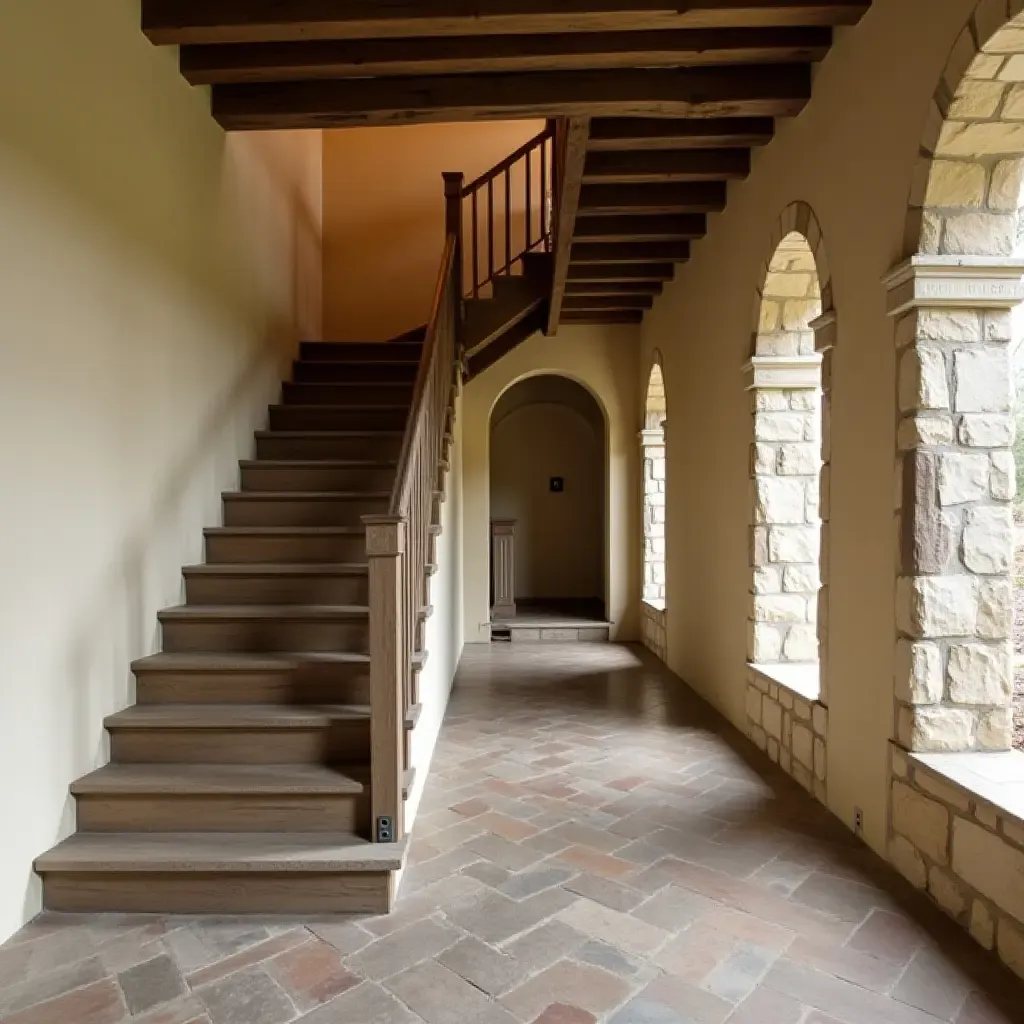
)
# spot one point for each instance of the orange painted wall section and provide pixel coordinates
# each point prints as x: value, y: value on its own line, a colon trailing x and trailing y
x: 384, y: 217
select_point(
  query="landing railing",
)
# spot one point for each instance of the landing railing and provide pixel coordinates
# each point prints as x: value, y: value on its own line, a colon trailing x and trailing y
x: 509, y: 212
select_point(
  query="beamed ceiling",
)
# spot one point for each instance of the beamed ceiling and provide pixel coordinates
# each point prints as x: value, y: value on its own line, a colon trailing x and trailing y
x: 670, y: 98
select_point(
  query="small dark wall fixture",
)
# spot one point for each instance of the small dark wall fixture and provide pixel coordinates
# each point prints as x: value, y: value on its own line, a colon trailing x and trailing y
x: 557, y: 485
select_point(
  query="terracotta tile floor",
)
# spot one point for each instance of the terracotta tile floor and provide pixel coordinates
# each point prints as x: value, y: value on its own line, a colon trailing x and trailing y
x: 594, y: 845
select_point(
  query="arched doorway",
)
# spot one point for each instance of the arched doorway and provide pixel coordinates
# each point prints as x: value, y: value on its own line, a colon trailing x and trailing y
x: 548, y: 493
x: 655, y: 495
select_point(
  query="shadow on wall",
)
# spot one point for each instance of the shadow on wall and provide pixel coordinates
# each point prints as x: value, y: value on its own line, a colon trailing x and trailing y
x: 547, y: 473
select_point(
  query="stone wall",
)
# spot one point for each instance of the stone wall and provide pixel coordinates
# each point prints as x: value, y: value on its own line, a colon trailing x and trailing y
x: 791, y: 729
x: 655, y: 637
x: 964, y: 852
x: 653, y: 445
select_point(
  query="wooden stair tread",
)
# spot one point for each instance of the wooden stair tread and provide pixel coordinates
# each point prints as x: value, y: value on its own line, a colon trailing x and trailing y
x: 284, y: 531
x: 306, y: 495
x: 279, y: 569
x: 227, y: 661
x: 271, y: 612
x: 213, y: 852
x: 211, y: 779
x: 241, y: 716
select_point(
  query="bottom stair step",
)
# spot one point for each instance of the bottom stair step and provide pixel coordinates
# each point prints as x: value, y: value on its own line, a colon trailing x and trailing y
x: 203, y: 873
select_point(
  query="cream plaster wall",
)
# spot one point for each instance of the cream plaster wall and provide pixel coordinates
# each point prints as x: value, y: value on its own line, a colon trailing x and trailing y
x: 851, y: 156
x: 603, y: 360
x: 559, y: 536
x: 154, y: 279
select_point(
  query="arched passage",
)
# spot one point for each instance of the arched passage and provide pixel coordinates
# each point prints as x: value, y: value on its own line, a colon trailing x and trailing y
x: 547, y: 477
x: 654, y: 459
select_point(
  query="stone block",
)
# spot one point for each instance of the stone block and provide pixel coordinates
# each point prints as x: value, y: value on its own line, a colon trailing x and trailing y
x: 768, y: 580
x: 793, y: 544
x: 1003, y: 478
x: 1013, y: 832
x: 915, y: 431
x: 771, y: 718
x: 779, y: 500
x: 936, y: 729
x: 820, y: 719
x: 980, y: 673
x: 799, y: 459
x: 999, y: 325
x: 944, y: 791
x: 946, y: 892
x: 937, y: 606
x: 780, y: 608
x: 820, y: 760
x: 969, y: 234
x: 963, y: 478
x: 1005, y: 189
x: 982, y: 381
x: 995, y: 729
x: 908, y: 862
x: 804, y: 399
x: 765, y: 459
x: 801, y: 579
x: 989, y: 864
x: 758, y: 737
x: 995, y: 609
x: 759, y: 548
x: 802, y: 745
x: 923, y: 821
x: 754, y: 705
x: 922, y: 381
x: 801, y: 644
x: 773, y: 749
x: 780, y: 426
x: 918, y: 673
x: 948, y: 325
x: 900, y: 766
x: 956, y: 184
x: 987, y: 430
x: 983, y: 924
x: 769, y: 400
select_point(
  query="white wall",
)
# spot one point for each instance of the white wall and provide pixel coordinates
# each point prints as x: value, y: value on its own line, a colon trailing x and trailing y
x: 445, y: 632
x: 154, y: 278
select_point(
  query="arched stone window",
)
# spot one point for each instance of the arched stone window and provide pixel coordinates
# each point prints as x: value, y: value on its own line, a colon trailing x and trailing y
x: 789, y: 379
x: 652, y: 443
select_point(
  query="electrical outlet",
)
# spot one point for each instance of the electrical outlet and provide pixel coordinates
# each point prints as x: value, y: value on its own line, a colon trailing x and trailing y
x: 858, y: 821
x: 385, y: 830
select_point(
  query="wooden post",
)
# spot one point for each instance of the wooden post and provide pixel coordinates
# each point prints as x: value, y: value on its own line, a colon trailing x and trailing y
x: 503, y: 561
x: 389, y: 663
x: 453, y: 185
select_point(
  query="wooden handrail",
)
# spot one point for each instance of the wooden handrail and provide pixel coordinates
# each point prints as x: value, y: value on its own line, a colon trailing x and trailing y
x: 511, y: 159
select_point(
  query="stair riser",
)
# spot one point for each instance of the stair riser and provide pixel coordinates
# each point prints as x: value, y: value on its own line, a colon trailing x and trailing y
x: 239, y: 892
x: 275, y: 550
x: 376, y: 351
x: 224, y: 813
x: 283, y: 448
x: 328, y: 418
x: 335, y: 684
x: 239, y: 590
x: 318, y: 512
x: 323, y: 372
x: 314, y: 478
x: 265, y: 636
x: 341, y: 743
x: 363, y: 394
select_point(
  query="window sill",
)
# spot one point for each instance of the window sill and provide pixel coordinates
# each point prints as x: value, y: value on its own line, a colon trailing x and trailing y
x: 997, y: 779
x: 803, y: 680
x: 658, y: 604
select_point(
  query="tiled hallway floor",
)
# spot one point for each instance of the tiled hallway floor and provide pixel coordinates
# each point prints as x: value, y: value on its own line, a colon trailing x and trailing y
x: 593, y: 845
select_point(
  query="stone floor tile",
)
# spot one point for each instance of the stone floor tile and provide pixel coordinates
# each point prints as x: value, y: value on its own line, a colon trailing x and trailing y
x: 440, y: 996
x: 188, y: 1010
x: 535, y: 880
x: 849, y: 901
x: 673, y: 908
x: 488, y: 873
x: 576, y: 834
x: 312, y: 973
x: 979, y: 1009
x: 345, y: 936
x: 495, y: 918
x: 739, y: 974
x: 844, y: 962
x: 99, y: 1003
x: 471, y: 808
x: 506, y: 854
x: 613, y: 927
x: 246, y: 997
x: 248, y: 957
x: 766, y: 1006
x: 932, y: 984
x: 606, y: 891
x: 22, y: 995
x: 602, y: 864
x: 600, y: 954
x: 692, y: 1003
x: 490, y: 970
x: 151, y: 983
x: 365, y: 1004
x: 888, y: 936
x: 696, y: 952
x: 403, y: 949
x: 647, y: 1011
x: 505, y: 826
x: 545, y: 944
x: 589, y: 988
x: 748, y: 928
x: 559, y: 1013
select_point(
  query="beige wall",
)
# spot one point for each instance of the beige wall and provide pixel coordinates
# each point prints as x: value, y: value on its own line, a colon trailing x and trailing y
x: 154, y: 277
x: 548, y: 432
x: 603, y: 360
x: 851, y: 156
x: 384, y: 217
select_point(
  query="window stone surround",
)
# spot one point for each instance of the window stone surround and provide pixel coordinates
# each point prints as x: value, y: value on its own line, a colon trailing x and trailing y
x: 654, y: 626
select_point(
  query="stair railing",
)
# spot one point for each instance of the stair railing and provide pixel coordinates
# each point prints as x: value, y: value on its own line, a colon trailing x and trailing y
x: 509, y: 211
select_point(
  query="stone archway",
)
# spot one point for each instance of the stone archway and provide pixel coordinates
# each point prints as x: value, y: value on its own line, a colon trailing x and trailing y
x: 655, y: 471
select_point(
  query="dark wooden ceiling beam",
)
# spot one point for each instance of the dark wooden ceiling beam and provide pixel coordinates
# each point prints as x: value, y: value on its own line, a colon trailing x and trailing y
x: 446, y: 55
x: 668, y: 165
x: 632, y: 133
x: 694, y: 197
x: 630, y: 252
x: 614, y: 288
x: 608, y: 316
x: 576, y: 302
x: 621, y: 272
x: 756, y: 89
x: 179, y: 22
x: 641, y: 228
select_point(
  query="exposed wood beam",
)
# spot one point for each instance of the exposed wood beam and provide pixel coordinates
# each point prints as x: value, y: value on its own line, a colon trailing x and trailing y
x: 574, y: 302
x: 632, y: 133
x: 247, y: 21
x: 614, y: 288
x: 756, y: 89
x: 641, y: 228
x: 696, y: 197
x: 447, y: 55
x: 511, y: 339
x: 571, y: 155
x: 668, y: 165
x: 622, y: 272
x: 608, y: 316
x: 630, y: 252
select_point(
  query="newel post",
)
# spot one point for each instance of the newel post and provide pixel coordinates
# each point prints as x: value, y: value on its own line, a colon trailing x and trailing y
x: 389, y: 661
x: 453, y: 185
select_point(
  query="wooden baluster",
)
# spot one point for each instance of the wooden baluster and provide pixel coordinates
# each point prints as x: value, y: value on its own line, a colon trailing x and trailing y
x: 453, y: 185
x: 476, y: 248
x: 490, y: 230
x: 529, y: 201
x: 508, y: 220
x: 389, y: 666
x: 545, y: 221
